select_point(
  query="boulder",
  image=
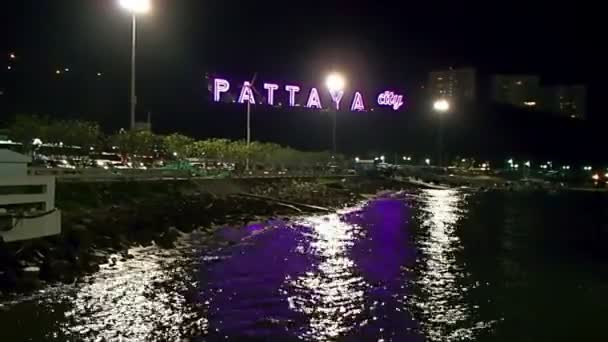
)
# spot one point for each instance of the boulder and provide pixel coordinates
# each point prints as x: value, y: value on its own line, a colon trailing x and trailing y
x: 61, y: 270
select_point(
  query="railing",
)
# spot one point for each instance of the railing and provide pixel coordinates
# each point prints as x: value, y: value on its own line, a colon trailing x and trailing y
x: 98, y: 174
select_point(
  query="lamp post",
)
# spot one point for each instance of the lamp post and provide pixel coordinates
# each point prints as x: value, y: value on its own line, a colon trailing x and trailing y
x: 441, y: 107
x: 335, y: 83
x: 135, y: 7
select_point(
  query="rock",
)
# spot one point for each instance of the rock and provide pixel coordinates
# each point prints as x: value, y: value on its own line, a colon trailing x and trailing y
x: 87, y: 221
x: 31, y: 270
x: 61, y: 270
x: 28, y: 284
x: 8, y: 280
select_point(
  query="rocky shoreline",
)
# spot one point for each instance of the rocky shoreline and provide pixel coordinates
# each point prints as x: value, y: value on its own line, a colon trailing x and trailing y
x: 100, y: 219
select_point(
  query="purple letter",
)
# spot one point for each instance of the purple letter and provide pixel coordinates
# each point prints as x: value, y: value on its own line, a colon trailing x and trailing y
x: 313, y: 99
x: 219, y: 86
x: 271, y: 87
x: 357, y: 105
x: 246, y: 94
x: 337, y: 97
x: 382, y: 99
x: 292, y: 89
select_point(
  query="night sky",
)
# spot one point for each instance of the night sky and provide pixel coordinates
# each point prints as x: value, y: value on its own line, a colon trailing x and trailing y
x: 393, y: 44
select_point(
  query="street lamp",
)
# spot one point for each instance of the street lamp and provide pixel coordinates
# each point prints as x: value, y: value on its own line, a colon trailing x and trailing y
x: 135, y: 7
x: 441, y: 106
x: 335, y: 83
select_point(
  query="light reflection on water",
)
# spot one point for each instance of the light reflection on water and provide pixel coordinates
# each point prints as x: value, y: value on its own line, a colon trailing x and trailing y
x: 127, y: 302
x: 446, y: 316
x: 331, y: 295
x: 361, y: 274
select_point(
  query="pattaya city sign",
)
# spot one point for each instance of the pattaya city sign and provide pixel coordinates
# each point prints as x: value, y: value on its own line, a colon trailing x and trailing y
x: 309, y: 98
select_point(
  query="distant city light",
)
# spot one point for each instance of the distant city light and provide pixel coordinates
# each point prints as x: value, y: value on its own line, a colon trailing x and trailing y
x: 136, y: 6
x: 441, y: 106
x: 595, y: 177
x: 382, y: 158
x: 66, y: 69
x: 516, y: 166
x: 510, y: 161
x: 530, y: 103
x: 543, y: 166
x: 58, y: 72
x: 427, y: 161
x: 587, y: 168
x: 9, y: 67
x: 12, y: 56
x: 527, y: 164
x: 566, y: 167
x: 99, y: 74
x: 357, y: 159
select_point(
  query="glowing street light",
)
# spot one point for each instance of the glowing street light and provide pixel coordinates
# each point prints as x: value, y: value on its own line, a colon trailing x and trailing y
x: 335, y: 83
x: 441, y: 106
x: 135, y: 7
x: 12, y: 55
x: 427, y: 161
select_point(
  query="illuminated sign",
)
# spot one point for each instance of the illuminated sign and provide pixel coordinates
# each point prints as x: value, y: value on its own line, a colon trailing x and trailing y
x: 389, y: 98
x: 313, y: 97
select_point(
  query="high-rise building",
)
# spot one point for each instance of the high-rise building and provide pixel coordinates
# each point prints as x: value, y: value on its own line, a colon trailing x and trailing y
x: 516, y: 90
x: 568, y: 101
x: 457, y: 85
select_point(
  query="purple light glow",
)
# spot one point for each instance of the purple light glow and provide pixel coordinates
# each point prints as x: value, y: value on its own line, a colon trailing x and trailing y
x: 358, y: 104
x: 292, y: 89
x: 313, y: 99
x: 271, y: 87
x: 220, y: 86
x: 246, y: 94
x: 389, y: 98
x: 336, y: 96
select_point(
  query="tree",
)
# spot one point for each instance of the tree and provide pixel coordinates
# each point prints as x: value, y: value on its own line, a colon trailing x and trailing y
x: 74, y: 133
x: 26, y: 128
x: 178, y: 144
x: 136, y: 142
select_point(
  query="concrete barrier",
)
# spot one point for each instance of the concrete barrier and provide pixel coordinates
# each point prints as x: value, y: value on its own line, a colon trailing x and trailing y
x: 21, y: 192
